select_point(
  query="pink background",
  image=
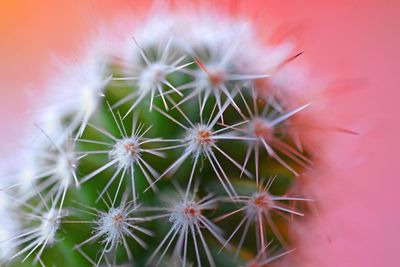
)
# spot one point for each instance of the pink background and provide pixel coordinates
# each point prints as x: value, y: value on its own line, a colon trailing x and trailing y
x: 355, y: 43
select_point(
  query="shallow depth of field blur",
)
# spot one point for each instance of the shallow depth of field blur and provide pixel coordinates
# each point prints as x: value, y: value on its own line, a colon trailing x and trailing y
x: 353, y: 44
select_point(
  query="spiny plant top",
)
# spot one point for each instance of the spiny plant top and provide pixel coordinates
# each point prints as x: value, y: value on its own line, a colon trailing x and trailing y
x: 163, y: 153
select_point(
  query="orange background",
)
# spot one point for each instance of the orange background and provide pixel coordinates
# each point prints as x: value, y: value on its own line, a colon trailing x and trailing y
x: 348, y: 40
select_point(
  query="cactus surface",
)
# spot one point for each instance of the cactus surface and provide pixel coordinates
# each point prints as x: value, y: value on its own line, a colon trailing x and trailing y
x: 178, y: 148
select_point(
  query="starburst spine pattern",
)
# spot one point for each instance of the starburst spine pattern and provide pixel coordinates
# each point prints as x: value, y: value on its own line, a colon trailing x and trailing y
x: 187, y: 218
x: 257, y: 210
x: 199, y: 141
x: 113, y: 227
x: 124, y: 153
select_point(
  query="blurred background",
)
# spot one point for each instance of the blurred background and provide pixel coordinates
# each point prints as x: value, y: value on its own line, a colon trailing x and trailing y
x: 352, y: 43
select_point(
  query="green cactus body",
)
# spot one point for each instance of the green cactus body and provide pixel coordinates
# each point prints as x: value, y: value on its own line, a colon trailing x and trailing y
x: 173, y: 158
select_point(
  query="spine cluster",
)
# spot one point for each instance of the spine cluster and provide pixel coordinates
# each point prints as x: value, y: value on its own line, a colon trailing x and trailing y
x: 176, y: 149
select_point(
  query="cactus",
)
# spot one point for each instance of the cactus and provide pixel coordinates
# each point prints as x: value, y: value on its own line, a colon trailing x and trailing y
x: 178, y: 148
